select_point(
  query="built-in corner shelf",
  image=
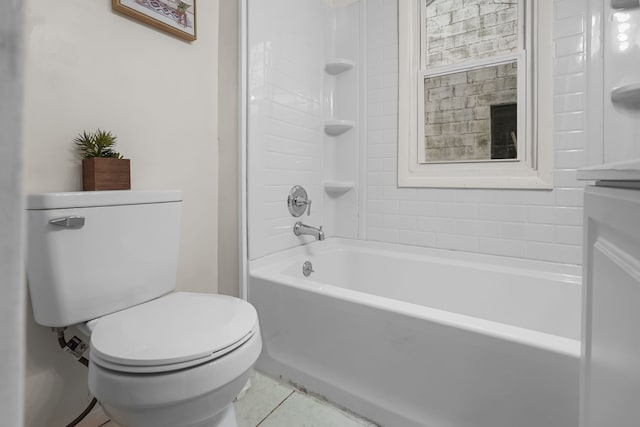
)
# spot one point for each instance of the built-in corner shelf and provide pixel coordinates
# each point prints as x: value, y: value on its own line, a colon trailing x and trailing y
x: 338, y: 127
x: 338, y: 66
x: 338, y: 187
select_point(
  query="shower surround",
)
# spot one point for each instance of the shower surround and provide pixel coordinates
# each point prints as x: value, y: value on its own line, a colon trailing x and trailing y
x: 292, y: 97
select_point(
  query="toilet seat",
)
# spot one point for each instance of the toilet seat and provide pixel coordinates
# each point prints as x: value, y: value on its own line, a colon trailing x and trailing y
x: 172, y: 332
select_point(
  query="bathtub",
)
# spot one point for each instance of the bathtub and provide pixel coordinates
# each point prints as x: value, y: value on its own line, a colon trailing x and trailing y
x: 409, y: 336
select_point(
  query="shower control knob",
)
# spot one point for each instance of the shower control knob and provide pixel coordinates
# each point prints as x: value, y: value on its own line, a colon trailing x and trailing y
x: 298, y: 201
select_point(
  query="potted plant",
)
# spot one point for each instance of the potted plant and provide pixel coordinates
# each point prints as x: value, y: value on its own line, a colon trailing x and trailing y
x: 103, y: 168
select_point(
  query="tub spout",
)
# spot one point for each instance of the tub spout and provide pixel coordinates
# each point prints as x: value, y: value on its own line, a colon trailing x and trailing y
x: 299, y: 229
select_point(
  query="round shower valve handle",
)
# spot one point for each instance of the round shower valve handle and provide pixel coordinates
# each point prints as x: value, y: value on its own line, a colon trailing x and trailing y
x: 298, y: 201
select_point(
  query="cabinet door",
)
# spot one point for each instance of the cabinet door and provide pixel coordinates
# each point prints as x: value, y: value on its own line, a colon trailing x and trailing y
x: 611, y: 345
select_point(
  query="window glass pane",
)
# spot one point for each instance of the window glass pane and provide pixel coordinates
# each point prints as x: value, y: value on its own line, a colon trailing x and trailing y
x: 471, y: 115
x: 457, y: 30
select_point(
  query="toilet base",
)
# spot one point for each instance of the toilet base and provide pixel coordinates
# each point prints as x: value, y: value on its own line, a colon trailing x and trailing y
x: 201, y: 396
x: 226, y: 418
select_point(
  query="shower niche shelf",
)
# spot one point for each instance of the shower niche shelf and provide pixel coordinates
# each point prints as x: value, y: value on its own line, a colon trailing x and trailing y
x: 338, y: 66
x: 628, y: 96
x: 338, y: 187
x: 338, y: 127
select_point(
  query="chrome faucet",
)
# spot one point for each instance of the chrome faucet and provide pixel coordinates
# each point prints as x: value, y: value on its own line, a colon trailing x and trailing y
x: 299, y: 229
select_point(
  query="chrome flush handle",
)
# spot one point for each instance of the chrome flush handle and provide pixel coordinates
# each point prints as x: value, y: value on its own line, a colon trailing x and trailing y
x: 68, y: 222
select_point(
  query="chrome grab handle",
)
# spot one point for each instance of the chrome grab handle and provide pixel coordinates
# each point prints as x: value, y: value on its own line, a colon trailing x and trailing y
x: 68, y: 222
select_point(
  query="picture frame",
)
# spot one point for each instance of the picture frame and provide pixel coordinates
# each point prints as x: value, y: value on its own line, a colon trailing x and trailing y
x: 177, y: 17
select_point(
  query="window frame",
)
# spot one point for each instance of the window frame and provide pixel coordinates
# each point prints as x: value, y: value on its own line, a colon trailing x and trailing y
x: 533, y: 169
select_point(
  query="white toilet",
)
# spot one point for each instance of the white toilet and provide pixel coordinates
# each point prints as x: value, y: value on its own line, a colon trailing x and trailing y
x: 106, y: 262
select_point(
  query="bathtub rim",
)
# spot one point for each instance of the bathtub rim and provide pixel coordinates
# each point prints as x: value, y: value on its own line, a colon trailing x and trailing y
x: 568, y: 273
x: 270, y: 268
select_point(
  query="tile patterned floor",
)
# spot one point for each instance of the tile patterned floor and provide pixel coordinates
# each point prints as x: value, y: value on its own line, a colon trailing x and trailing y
x: 271, y: 403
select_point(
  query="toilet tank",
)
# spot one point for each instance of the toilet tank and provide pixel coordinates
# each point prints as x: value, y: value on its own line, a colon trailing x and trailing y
x: 124, y: 253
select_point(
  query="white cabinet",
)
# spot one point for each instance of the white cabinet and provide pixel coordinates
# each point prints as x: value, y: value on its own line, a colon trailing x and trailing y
x: 611, y: 335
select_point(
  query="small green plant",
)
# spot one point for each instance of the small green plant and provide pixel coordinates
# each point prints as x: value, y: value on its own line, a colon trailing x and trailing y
x: 97, y: 144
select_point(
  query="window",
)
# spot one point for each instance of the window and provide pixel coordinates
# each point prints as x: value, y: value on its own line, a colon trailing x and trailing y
x: 473, y: 74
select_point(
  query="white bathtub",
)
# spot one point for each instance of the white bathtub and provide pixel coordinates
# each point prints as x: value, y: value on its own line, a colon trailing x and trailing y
x: 410, y: 336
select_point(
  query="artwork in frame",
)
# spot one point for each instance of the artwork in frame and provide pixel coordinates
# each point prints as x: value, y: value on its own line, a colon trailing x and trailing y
x: 177, y: 17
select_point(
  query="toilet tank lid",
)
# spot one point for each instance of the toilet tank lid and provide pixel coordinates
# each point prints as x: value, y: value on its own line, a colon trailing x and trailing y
x: 84, y: 199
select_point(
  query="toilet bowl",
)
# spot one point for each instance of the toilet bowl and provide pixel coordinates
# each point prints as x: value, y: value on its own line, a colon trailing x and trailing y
x: 106, y: 262
x: 176, y: 361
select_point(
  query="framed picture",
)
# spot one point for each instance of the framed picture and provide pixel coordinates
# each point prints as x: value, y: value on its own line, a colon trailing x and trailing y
x: 177, y: 17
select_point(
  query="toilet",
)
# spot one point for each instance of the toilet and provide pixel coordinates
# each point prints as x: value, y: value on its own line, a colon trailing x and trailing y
x: 106, y: 262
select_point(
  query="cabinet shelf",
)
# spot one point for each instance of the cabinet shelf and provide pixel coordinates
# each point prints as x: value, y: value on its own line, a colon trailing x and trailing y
x: 338, y: 66
x: 338, y: 127
x: 338, y: 187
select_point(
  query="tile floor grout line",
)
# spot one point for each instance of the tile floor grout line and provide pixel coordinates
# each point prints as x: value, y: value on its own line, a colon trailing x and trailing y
x: 276, y: 407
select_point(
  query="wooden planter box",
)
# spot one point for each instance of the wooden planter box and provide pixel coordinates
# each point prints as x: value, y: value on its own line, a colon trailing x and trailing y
x: 106, y: 174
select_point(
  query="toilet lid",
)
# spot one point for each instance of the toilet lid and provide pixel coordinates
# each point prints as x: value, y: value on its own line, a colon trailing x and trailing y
x: 172, y: 331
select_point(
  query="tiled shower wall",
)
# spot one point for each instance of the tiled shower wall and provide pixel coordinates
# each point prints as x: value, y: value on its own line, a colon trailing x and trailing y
x: 541, y: 225
x: 286, y: 118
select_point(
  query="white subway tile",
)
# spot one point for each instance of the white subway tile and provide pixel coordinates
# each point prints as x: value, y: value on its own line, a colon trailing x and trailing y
x: 570, y: 159
x: 574, y: 102
x: 417, y: 238
x: 457, y: 243
x: 509, y: 213
x: 438, y: 225
x: 570, y: 65
x: 528, y: 232
x: 478, y: 228
x: 555, y: 215
x: 570, y: 45
x: 504, y: 247
x: 520, y: 197
x: 569, y: 235
x: 572, y: 83
x: 572, y: 25
x: 383, y: 234
x: 566, y: 8
x: 381, y: 151
x: 566, y: 254
x: 569, y: 121
x: 572, y: 197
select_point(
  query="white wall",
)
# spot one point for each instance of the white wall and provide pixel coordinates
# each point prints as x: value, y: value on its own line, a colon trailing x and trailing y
x: 11, y: 233
x: 88, y: 67
x: 543, y: 225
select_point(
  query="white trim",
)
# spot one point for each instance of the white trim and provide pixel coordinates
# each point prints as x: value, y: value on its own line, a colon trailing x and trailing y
x: 362, y: 126
x: 242, y: 166
x: 534, y: 171
x: 470, y: 65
